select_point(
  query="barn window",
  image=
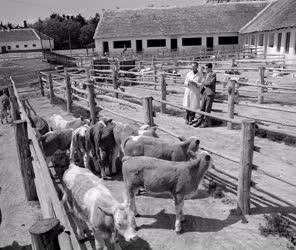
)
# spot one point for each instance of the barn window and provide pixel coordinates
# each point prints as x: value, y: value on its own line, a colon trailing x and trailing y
x: 271, y: 40
x: 156, y: 43
x: 8, y: 47
x: 25, y: 45
x: 225, y: 40
x: 17, y: 46
x: 120, y: 44
x: 287, y: 45
x: 261, y: 39
x: 34, y: 45
x: 191, y: 41
x: 279, y: 42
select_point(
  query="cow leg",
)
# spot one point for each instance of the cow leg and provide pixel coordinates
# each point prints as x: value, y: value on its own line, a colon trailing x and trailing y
x: 86, y: 160
x: 131, y: 200
x: 179, y: 202
x: 114, y: 158
x: 99, y: 241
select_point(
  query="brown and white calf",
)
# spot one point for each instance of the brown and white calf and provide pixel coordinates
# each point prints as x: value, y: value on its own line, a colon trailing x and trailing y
x: 158, y: 148
x: 55, y: 140
x: 57, y: 122
x: 122, y: 132
x: 157, y: 176
x: 94, y: 204
x: 100, y: 143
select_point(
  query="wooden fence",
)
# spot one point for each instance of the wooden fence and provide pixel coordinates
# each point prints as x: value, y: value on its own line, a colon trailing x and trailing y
x: 86, y: 98
x: 38, y: 183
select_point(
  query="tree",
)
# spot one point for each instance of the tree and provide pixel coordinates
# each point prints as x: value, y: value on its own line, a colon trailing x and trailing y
x: 87, y: 34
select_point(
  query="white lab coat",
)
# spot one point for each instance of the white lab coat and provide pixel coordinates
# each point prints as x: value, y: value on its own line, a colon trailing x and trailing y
x: 191, y: 97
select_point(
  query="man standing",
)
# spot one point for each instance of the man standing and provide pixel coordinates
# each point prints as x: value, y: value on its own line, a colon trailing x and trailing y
x: 208, y: 94
x: 192, y: 92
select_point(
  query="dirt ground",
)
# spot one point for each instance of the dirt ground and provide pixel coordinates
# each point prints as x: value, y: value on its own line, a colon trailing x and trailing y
x: 210, y: 223
x: 17, y: 214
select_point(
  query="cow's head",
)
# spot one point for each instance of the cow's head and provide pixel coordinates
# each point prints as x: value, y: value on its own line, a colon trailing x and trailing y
x: 124, y: 221
x: 193, y: 147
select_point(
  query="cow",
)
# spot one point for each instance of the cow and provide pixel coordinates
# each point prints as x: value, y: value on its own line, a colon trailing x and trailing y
x: 4, y: 107
x: 158, y: 176
x: 78, y: 145
x: 122, y: 131
x: 157, y: 148
x: 91, y: 202
x: 100, y: 143
x: 55, y: 140
x: 39, y: 124
x: 57, y: 122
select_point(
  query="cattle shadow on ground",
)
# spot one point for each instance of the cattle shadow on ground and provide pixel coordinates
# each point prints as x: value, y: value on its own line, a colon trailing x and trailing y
x: 192, y: 223
x: 139, y: 244
x: 15, y: 246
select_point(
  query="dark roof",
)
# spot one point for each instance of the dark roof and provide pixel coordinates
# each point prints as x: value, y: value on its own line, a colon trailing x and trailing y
x: 20, y: 35
x: 200, y: 19
x: 277, y: 15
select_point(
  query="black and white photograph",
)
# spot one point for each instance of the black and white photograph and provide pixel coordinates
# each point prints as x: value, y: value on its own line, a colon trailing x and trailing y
x: 148, y: 125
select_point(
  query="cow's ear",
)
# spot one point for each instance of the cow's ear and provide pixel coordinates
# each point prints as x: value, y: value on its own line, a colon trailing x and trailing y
x: 182, y: 138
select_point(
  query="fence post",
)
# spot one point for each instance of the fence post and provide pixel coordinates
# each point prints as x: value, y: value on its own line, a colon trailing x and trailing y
x: 25, y: 159
x: 154, y: 72
x: 115, y: 79
x: 51, y: 92
x: 68, y: 91
x: 148, y: 111
x: 163, y: 93
x: 260, y: 89
x: 13, y: 104
x: 231, y: 92
x: 41, y: 83
x: 44, y: 234
x: 246, y: 161
x: 92, y: 102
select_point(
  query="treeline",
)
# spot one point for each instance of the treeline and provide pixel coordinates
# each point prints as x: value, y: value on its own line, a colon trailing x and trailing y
x: 75, y: 31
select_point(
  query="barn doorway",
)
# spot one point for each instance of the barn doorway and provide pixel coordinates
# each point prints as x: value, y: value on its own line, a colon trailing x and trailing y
x: 174, y: 44
x: 139, y: 46
x: 105, y: 47
x: 3, y: 49
x: 210, y: 43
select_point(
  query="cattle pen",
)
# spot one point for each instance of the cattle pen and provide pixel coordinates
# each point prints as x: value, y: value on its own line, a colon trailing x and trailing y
x: 85, y: 87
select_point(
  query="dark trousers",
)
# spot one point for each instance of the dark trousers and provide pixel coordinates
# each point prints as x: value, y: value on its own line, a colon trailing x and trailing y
x: 190, y: 116
x: 206, y: 106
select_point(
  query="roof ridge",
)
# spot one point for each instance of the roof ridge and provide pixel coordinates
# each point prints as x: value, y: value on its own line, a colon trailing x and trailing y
x: 187, y: 6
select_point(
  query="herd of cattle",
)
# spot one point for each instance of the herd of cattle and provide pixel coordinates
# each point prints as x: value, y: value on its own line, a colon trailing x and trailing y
x: 148, y: 162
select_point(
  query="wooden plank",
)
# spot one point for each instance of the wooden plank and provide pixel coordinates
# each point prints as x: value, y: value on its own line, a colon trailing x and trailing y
x: 163, y: 93
x: 68, y: 91
x: 115, y: 79
x: 51, y: 91
x: 41, y: 83
x: 92, y: 102
x: 246, y: 162
x: 261, y: 82
x: 230, y: 106
x: 25, y: 159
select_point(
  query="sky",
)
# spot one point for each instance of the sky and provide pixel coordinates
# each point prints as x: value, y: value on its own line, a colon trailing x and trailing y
x: 15, y: 11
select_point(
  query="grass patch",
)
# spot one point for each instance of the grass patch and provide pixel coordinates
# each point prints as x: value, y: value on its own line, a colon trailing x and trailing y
x: 277, y: 224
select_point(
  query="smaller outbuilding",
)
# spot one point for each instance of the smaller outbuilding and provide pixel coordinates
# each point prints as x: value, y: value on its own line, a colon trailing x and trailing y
x: 29, y: 39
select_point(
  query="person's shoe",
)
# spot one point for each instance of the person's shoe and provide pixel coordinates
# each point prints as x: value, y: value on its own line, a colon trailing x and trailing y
x: 197, y: 124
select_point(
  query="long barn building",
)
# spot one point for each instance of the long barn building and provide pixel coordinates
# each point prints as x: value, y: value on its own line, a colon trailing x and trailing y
x: 183, y: 29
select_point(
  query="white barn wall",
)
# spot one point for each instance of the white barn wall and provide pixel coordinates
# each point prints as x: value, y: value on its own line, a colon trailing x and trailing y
x: 29, y: 44
x: 99, y: 43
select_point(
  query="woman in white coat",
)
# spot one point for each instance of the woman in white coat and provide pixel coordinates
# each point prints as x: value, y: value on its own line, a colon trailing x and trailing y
x: 191, y: 97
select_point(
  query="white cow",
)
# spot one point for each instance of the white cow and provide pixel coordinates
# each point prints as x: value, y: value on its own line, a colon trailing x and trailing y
x: 57, y: 122
x: 93, y: 203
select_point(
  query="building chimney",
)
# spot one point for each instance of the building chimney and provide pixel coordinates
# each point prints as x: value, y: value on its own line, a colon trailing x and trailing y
x: 25, y: 24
